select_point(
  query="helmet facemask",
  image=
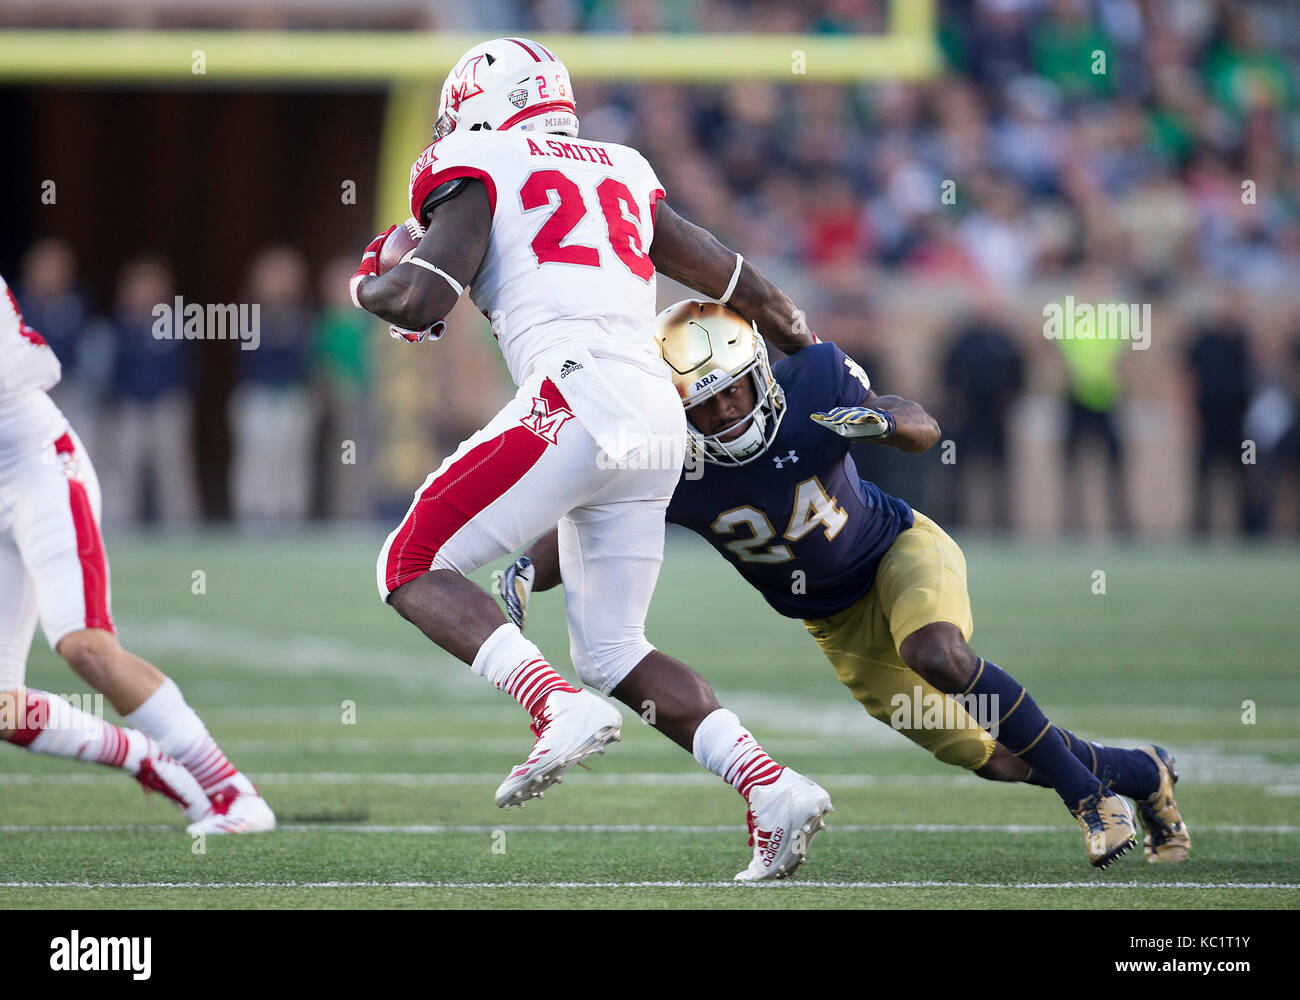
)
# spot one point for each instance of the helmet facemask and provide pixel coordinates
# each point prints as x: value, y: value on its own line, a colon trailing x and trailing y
x: 764, y: 420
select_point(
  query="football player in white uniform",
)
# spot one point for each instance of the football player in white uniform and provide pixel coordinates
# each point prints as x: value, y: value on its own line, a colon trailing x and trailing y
x: 559, y: 239
x: 53, y: 567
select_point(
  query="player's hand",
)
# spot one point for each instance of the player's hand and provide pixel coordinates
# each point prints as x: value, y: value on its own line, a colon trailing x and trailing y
x: 369, y: 265
x: 857, y: 421
x: 432, y: 332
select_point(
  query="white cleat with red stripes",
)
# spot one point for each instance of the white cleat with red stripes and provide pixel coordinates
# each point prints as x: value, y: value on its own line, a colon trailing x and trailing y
x: 160, y: 773
x: 571, y: 726
x: 783, y: 819
x: 235, y: 807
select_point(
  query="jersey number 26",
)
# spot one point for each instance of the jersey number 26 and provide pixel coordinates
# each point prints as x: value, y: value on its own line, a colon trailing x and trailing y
x: 616, y: 202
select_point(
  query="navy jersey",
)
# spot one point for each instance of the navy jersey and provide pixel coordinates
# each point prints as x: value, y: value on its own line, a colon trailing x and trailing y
x: 799, y: 523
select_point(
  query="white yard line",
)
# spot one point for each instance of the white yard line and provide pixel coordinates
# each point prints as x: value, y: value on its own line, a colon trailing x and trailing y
x: 417, y: 829
x: 778, y: 886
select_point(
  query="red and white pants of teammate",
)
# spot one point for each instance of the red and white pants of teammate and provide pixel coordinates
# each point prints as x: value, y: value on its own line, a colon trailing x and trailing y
x: 52, y: 562
x: 534, y: 465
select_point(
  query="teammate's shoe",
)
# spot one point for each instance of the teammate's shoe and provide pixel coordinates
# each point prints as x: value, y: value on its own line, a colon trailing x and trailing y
x: 161, y: 773
x: 783, y: 819
x: 1109, y: 827
x: 570, y: 726
x: 516, y: 588
x: 1165, y: 834
x: 237, y: 807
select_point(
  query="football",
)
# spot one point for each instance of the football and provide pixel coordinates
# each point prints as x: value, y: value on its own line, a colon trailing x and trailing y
x: 400, y: 242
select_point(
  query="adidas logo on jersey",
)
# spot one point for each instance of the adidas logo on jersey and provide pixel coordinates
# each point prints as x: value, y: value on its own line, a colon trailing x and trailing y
x: 569, y: 367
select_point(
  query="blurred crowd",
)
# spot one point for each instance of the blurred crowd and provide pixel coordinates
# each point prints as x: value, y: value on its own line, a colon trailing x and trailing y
x: 298, y: 422
x: 1112, y: 150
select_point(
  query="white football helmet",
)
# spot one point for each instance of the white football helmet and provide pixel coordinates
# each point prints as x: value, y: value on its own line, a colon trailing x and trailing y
x: 508, y: 83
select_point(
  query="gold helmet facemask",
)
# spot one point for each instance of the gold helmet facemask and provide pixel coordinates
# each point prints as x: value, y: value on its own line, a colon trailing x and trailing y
x: 708, y: 348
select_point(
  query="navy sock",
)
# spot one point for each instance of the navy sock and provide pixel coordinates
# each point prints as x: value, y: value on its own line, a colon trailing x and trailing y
x: 1025, y: 731
x: 1130, y: 772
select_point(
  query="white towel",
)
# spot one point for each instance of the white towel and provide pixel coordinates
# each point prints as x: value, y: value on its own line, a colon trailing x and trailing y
x: 619, y: 430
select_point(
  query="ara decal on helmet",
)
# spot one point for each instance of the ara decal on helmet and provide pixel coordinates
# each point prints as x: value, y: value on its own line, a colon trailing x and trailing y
x: 709, y: 348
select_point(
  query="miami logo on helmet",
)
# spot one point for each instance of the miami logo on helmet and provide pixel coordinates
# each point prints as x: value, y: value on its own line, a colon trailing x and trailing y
x: 458, y: 87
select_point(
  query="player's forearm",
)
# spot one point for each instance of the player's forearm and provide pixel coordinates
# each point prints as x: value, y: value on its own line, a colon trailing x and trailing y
x: 545, y: 554
x: 687, y: 253
x: 401, y: 298
x: 779, y: 320
x: 915, y: 430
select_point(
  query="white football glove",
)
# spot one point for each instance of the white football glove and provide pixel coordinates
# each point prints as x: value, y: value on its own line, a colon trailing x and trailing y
x: 857, y: 421
x: 418, y: 336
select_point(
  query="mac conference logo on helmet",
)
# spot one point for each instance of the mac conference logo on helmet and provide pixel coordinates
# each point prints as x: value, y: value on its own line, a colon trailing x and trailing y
x: 518, y: 97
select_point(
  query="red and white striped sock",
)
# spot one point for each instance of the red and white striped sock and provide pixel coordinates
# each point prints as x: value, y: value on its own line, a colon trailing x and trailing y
x: 54, y: 726
x: 176, y: 727
x: 517, y: 667
x: 723, y: 746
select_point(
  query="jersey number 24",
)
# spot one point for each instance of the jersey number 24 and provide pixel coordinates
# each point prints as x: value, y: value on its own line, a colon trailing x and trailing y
x: 812, y: 507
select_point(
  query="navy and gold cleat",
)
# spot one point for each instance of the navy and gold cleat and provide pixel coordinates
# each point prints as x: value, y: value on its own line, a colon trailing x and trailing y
x: 1108, y: 825
x: 1166, y: 837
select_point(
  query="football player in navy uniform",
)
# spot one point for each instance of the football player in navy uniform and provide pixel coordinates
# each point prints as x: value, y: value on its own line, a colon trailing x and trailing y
x: 880, y: 587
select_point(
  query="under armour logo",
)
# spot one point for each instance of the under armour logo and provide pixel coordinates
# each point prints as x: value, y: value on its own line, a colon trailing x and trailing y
x: 780, y: 462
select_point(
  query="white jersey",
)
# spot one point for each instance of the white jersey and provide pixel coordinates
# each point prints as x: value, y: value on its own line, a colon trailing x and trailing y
x: 567, y: 263
x: 28, y: 367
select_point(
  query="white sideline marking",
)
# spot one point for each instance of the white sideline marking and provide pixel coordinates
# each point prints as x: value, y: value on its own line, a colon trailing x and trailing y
x: 428, y: 830
x: 649, y: 885
x: 434, y: 779
x: 431, y: 779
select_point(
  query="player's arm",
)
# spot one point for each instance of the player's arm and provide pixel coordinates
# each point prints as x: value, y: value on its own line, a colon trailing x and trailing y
x: 889, y: 420
x: 687, y: 253
x: 914, y: 430
x: 860, y: 414
x: 422, y: 290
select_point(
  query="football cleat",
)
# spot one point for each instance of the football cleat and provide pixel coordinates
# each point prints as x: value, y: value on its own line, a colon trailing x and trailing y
x: 783, y: 818
x: 1109, y: 827
x: 570, y: 727
x: 516, y: 588
x: 237, y: 807
x: 1165, y: 836
x: 161, y: 773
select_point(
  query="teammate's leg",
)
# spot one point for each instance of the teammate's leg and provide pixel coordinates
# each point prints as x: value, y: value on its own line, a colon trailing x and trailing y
x: 41, y: 722
x: 56, y: 530
x: 147, y: 699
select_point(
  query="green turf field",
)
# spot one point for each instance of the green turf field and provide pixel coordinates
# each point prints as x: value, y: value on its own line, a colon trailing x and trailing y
x: 396, y: 810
